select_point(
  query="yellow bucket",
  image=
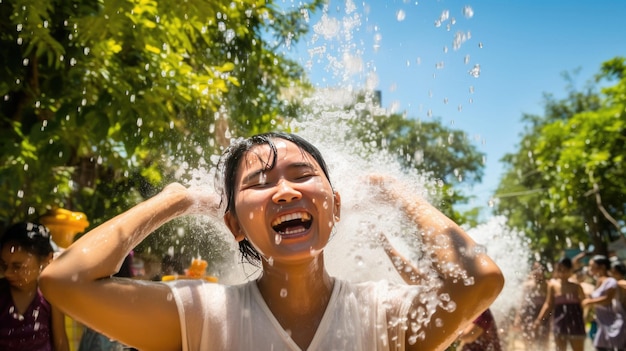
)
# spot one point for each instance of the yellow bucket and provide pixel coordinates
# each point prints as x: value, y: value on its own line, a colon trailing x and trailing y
x: 64, y: 225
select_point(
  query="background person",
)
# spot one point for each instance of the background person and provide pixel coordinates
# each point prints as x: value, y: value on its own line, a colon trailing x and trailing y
x: 609, y: 315
x: 27, y: 320
x: 481, y: 334
x: 534, y: 292
x: 563, y: 306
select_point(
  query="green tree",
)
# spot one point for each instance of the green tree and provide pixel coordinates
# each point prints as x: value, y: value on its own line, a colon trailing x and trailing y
x: 565, y: 184
x: 445, y: 154
x: 104, y: 101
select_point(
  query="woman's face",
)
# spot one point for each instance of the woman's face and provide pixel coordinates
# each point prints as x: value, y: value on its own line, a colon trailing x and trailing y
x: 595, y: 269
x: 20, y: 267
x: 287, y: 212
x: 562, y: 272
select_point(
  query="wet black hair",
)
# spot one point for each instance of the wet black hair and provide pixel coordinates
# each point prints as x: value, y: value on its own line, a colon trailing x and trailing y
x: 619, y: 267
x: 229, y: 165
x: 602, y: 260
x: 31, y: 237
x: 565, y: 262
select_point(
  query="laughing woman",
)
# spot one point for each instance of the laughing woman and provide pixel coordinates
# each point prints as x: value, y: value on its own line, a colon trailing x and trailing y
x: 281, y: 208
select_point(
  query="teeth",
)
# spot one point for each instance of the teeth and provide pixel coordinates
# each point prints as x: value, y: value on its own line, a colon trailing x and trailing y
x: 303, y: 216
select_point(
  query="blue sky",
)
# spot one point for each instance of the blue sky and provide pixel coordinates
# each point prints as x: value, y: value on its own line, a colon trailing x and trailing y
x: 521, y: 47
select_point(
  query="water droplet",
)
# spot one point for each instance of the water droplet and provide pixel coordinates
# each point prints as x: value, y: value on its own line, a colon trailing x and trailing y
x: 468, y: 12
x: 277, y: 239
x: 468, y: 281
x: 314, y: 252
x: 283, y: 293
x: 400, y: 15
x: 475, y: 72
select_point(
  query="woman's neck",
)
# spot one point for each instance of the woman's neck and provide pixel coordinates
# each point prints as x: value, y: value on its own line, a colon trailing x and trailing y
x: 302, y: 284
x: 297, y: 295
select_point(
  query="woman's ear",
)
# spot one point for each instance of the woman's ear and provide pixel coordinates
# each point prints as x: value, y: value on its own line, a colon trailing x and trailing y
x: 232, y: 223
x: 337, y: 206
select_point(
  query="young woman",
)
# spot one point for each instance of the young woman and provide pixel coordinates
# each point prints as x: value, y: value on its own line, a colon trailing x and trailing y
x: 281, y: 208
x: 564, y: 304
x: 609, y: 315
x: 27, y: 321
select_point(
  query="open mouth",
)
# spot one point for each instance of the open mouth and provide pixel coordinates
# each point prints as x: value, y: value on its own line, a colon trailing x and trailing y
x: 292, y: 224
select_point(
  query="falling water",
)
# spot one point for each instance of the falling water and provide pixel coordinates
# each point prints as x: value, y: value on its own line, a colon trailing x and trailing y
x: 354, y: 252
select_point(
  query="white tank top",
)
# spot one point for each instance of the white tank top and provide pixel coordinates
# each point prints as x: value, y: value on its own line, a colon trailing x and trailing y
x: 361, y: 316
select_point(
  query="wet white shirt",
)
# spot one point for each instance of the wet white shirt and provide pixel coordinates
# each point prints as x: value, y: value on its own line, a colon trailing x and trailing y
x: 363, y: 316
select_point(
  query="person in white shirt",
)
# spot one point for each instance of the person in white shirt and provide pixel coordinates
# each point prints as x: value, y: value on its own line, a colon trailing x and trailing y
x: 281, y: 208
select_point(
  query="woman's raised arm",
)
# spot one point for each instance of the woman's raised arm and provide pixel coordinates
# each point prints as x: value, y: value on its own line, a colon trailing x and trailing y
x: 138, y: 313
x: 467, y: 275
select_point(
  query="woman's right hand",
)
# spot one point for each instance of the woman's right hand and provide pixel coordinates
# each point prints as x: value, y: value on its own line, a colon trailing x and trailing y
x: 201, y: 200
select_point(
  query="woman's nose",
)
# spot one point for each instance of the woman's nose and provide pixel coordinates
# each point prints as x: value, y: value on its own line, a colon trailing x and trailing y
x: 285, y: 192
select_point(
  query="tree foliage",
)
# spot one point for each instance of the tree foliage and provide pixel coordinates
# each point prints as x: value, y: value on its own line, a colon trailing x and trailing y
x: 446, y: 154
x: 104, y: 101
x: 565, y: 184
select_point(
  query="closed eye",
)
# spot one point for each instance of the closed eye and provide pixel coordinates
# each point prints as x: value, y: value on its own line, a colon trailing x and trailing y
x: 305, y: 176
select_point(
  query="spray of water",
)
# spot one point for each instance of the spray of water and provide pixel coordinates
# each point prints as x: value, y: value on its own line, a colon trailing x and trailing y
x: 355, y: 252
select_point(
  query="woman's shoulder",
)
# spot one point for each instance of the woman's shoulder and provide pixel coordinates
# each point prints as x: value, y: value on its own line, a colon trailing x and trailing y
x: 609, y: 282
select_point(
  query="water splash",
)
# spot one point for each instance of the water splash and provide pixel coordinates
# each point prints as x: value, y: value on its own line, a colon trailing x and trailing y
x: 355, y: 252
